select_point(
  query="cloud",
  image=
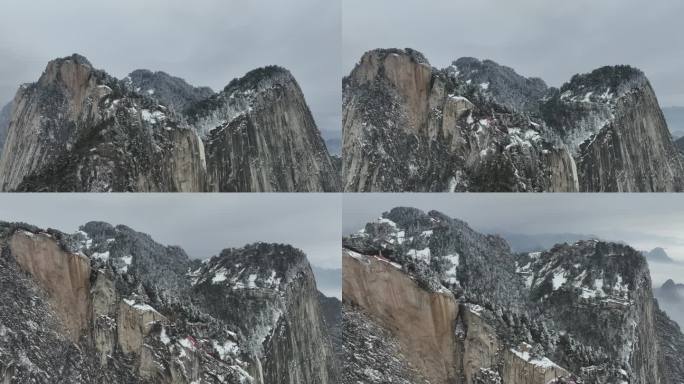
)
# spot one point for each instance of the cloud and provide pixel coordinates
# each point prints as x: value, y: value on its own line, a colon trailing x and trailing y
x: 207, y: 42
x: 548, y: 39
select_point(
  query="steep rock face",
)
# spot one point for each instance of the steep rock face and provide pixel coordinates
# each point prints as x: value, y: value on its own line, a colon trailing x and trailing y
x: 79, y: 129
x: 260, y: 136
x: 372, y: 354
x: 65, y: 275
x: 583, y: 311
x: 479, y: 126
x: 332, y: 314
x: 671, y: 344
x: 421, y: 321
x: 149, y: 314
x: 592, y: 282
x: 612, y: 120
x: 5, y: 116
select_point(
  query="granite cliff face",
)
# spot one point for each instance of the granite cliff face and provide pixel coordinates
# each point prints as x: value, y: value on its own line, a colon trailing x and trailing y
x: 261, y: 136
x: 79, y: 129
x: 109, y: 304
x: 462, y: 308
x: 5, y: 116
x: 479, y: 126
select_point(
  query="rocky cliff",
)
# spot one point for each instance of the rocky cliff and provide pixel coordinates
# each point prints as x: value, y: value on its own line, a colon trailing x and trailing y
x: 109, y: 304
x: 5, y: 116
x: 79, y: 129
x: 261, y: 136
x: 464, y: 309
x: 479, y: 126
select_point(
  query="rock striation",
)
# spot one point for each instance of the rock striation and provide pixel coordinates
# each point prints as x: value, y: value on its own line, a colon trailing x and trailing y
x: 479, y: 126
x: 463, y: 308
x: 5, y: 116
x: 79, y: 129
x: 109, y: 304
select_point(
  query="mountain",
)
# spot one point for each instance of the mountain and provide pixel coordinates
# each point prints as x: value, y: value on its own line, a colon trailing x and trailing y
x: 331, y: 308
x: 675, y: 120
x: 679, y: 143
x: 459, y: 306
x: 671, y: 298
x: 167, y: 90
x: 479, y: 126
x: 539, y: 242
x: 109, y: 304
x: 329, y: 280
x: 5, y: 116
x: 79, y: 129
x: 334, y: 146
x: 657, y: 255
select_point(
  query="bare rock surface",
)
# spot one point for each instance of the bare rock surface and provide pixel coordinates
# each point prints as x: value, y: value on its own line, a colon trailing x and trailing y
x: 581, y: 312
x: 109, y: 304
x: 479, y: 126
x: 79, y: 129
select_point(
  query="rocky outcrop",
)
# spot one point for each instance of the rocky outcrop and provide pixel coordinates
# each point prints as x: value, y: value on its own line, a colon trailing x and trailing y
x: 79, y: 129
x: 261, y: 136
x: 583, y: 311
x: 5, y: 116
x: 121, y: 308
x: 167, y: 90
x: 420, y: 320
x: 372, y: 354
x: 65, y: 275
x: 332, y: 314
x: 478, y: 126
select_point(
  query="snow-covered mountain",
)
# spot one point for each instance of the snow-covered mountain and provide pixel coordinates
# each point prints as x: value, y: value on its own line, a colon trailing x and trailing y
x: 463, y: 308
x: 109, y: 304
x: 479, y: 126
x: 79, y: 129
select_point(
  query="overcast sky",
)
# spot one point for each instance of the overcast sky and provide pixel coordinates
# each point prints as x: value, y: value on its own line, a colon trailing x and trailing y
x: 206, y: 42
x: 644, y: 221
x: 548, y: 39
x: 202, y: 224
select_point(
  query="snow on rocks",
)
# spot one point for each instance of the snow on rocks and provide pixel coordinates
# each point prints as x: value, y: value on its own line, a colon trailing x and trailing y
x: 420, y: 254
x: 541, y: 362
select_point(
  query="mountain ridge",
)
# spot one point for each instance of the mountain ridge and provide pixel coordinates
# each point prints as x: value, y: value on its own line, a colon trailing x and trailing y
x: 131, y: 310
x: 79, y: 129
x: 486, y: 128
x: 517, y: 318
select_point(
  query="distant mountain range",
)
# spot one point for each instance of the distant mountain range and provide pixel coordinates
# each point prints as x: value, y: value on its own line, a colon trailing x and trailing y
x: 657, y: 255
x: 671, y: 298
x: 675, y: 120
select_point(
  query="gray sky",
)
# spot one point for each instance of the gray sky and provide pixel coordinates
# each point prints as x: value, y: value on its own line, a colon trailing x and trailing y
x: 202, y: 224
x: 206, y: 42
x: 551, y: 39
x: 644, y: 221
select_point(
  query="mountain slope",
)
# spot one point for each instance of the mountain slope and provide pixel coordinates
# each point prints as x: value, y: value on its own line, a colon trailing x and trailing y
x: 478, y: 126
x: 113, y: 305
x: 168, y: 90
x: 464, y: 308
x: 5, y: 116
x: 79, y: 129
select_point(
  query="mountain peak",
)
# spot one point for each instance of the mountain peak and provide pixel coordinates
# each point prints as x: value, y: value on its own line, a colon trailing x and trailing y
x: 260, y: 78
x: 616, y: 78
